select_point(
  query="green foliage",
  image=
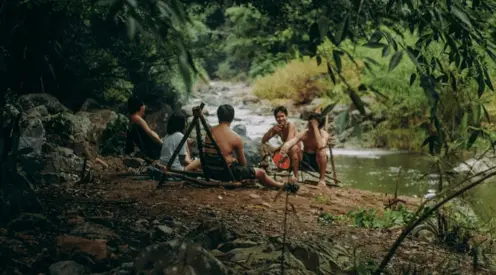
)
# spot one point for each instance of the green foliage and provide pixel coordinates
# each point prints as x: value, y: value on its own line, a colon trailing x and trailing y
x: 368, y: 218
x: 83, y: 50
x: 326, y: 218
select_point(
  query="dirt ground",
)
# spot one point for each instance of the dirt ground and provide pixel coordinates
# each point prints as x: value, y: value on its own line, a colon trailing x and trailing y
x: 122, y: 202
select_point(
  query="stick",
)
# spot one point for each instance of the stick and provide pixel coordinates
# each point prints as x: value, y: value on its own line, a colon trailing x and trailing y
x: 203, y: 182
x: 332, y: 164
x: 199, y: 144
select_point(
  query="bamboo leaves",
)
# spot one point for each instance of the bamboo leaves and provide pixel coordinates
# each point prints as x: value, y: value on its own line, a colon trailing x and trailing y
x: 395, y: 60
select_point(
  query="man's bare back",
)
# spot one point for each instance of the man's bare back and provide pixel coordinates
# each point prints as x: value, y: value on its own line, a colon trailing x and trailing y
x: 229, y: 142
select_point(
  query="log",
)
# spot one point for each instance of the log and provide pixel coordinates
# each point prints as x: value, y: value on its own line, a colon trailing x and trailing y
x: 211, y: 183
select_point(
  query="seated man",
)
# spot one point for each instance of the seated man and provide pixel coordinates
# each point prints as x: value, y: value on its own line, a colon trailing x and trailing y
x: 314, y: 140
x: 139, y: 132
x: 229, y: 142
x: 175, y: 133
x: 286, y: 130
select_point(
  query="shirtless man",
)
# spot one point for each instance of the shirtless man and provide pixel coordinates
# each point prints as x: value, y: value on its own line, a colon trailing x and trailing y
x: 151, y: 142
x: 229, y: 142
x: 286, y: 130
x: 314, y: 140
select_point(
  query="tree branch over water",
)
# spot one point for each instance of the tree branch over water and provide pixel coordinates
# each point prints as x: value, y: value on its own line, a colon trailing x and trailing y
x: 427, y: 211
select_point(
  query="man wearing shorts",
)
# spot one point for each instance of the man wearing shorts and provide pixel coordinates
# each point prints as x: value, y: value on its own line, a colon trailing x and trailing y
x: 230, y: 142
x: 314, y: 140
x: 286, y: 131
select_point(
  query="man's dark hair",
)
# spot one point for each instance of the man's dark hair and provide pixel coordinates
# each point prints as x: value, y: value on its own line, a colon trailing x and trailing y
x: 318, y: 117
x: 176, y: 123
x: 280, y: 109
x: 134, y: 104
x: 225, y: 113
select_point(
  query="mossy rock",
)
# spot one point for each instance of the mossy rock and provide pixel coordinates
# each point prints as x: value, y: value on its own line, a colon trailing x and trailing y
x: 66, y: 129
x: 113, y: 139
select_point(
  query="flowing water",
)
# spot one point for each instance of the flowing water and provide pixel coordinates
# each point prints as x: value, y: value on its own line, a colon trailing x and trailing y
x: 368, y: 169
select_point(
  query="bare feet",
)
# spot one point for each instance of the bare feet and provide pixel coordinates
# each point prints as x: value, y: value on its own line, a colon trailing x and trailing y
x: 322, y: 183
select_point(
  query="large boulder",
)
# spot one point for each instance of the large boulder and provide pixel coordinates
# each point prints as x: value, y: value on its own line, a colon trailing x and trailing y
x: 29, y: 101
x: 33, y: 134
x: 113, y: 138
x: 100, y: 119
x: 60, y: 165
x: 66, y: 129
x: 157, y: 118
x: 251, y: 147
x: 90, y: 105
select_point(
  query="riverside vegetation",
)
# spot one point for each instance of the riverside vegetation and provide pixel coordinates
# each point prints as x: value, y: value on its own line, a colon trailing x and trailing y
x: 421, y: 71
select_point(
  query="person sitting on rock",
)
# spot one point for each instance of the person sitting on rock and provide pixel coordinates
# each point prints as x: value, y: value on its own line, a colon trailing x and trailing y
x: 175, y: 133
x: 286, y: 131
x: 314, y: 140
x: 139, y: 133
x: 230, y: 142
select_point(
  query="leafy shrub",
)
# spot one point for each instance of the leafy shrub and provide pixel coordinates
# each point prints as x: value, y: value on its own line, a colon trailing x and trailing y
x: 367, y: 218
x: 300, y: 80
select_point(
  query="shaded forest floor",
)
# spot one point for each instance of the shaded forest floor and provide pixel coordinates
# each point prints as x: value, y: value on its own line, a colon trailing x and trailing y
x: 103, y: 226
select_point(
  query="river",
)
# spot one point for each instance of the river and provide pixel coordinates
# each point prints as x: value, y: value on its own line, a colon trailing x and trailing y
x: 368, y: 169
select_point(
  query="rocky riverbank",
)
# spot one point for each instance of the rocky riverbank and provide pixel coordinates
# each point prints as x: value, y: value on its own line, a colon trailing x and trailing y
x: 127, y: 226
x: 122, y: 224
x: 63, y: 139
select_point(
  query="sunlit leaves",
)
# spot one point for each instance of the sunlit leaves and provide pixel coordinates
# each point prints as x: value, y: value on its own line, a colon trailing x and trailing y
x: 342, y: 31
x: 386, y: 51
x: 461, y: 15
x: 355, y: 98
x: 412, y: 78
x: 336, y: 54
x: 395, y: 60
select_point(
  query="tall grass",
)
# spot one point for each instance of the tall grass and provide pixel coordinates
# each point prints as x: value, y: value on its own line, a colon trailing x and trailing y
x: 303, y: 79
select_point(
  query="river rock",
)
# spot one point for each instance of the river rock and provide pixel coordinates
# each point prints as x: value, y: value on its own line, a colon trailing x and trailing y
x: 210, y: 234
x: 10, y: 112
x: 33, y: 134
x: 66, y: 268
x: 158, y: 117
x: 240, y: 129
x: 187, y: 110
x: 178, y: 257
x: 307, y: 109
x: 94, y: 231
x: 100, y: 119
x: 90, y: 105
x: 30, y: 101
x: 252, y: 150
x: 37, y: 112
x: 58, y: 165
